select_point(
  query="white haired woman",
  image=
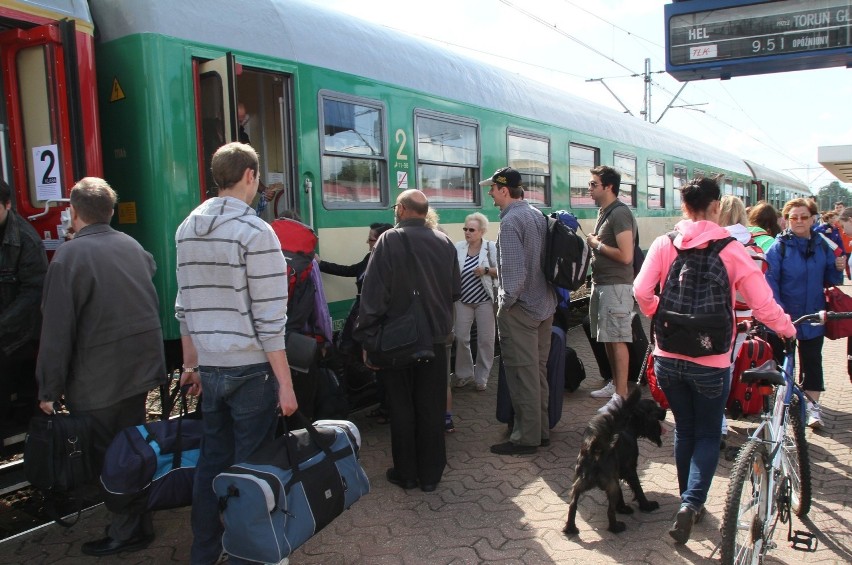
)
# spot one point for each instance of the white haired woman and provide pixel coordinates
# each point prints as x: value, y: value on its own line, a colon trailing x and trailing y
x: 478, y: 265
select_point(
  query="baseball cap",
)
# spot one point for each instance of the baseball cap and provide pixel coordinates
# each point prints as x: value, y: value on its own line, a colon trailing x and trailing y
x: 506, y: 176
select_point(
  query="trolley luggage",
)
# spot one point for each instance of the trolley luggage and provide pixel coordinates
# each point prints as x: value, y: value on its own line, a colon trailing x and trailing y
x: 575, y: 371
x: 290, y: 489
x: 746, y: 399
x: 555, y: 382
x: 637, y: 349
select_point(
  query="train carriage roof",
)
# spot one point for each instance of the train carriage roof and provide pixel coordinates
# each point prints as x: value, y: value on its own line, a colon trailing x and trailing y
x: 308, y: 33
x: 775, y: 178
x: 77, y: 10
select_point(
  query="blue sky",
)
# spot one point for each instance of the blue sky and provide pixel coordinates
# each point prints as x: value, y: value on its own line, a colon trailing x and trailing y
x: 777, y: 120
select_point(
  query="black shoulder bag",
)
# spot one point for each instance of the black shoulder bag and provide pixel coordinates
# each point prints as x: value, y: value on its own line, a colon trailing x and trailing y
x: 406, y: 339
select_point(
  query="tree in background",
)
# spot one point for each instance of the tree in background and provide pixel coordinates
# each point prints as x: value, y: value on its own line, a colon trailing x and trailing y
x: 831, y: 193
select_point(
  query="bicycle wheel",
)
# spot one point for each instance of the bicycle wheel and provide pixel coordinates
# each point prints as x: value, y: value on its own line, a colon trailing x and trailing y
x: 744, y: 521
x: 795, y: 460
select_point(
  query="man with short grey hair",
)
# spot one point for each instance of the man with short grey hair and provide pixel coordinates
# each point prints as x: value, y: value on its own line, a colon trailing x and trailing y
x: 527, y: 303
x: 101, y: 343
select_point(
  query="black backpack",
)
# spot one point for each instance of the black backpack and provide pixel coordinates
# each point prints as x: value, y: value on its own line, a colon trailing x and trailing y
x: 565, y: 255
x: 695, y: 316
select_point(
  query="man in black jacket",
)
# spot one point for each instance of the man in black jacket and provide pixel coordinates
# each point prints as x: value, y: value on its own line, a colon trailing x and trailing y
x: 23, y: 264
x: 417, y: 395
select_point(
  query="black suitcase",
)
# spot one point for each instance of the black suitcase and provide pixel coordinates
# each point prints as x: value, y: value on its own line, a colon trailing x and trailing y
x: 575, y: 371
x: 555, y: 382
x: 637, y: 349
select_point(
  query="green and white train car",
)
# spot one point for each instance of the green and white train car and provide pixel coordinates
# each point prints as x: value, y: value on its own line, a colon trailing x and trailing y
x: 346, y: 114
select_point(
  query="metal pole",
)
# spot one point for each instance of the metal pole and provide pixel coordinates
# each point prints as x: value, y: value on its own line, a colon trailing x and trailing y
x: 647, y: 77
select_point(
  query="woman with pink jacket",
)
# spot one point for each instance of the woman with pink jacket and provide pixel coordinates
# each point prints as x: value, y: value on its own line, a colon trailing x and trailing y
x: 697, y: 386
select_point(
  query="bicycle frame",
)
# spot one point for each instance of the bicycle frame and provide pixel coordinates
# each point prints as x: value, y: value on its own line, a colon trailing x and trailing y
x: 774, y: 466
x: 772, y: 432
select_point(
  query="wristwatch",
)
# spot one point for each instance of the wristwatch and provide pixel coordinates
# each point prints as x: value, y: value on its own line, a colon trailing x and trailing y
x: 190, y: 369
x: 600, y: 246
x: 486, y: 270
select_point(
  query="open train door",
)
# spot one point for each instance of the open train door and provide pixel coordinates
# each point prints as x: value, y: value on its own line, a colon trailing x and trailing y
x: 251, y: 105
x: 42, y: 146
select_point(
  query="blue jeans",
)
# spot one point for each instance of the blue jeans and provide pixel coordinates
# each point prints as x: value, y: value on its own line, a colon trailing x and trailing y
x: 240, y: 413
x: 697, y: 396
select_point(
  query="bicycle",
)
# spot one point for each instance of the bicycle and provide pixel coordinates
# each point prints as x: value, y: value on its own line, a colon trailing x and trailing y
x: 772, y: 475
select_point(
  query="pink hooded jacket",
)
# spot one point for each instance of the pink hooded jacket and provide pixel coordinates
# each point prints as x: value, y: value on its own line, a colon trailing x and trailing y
x: 743, y: 275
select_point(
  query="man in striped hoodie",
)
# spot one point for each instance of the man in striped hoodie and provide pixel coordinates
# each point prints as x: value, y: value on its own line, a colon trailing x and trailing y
x: 232, y: 309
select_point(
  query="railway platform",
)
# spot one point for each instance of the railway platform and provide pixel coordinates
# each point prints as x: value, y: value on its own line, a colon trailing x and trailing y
x: 504, y: 509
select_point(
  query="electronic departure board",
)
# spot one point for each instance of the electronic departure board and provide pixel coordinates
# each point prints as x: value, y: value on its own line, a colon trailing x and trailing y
x: 722, y: 39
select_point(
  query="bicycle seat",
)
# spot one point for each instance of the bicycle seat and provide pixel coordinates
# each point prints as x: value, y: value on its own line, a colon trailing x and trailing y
x: 766, y: 374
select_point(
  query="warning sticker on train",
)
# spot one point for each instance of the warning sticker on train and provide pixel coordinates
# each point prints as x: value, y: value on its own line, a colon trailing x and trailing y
x: 117, y: 93
x: 402, y: 180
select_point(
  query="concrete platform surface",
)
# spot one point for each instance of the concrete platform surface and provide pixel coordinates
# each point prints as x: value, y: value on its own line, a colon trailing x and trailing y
x: 511, y: 509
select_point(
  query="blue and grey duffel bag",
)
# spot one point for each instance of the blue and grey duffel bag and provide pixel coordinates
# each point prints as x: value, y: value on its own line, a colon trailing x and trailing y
x: 290, y: 489
x: 152, y: 466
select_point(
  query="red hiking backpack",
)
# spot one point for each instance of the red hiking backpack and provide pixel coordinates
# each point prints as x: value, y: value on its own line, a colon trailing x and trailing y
x: 748, y: 398
x: 298, y: 243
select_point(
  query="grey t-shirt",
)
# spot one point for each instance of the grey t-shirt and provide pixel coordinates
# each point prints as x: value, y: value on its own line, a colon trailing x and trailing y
x: 605, y: 270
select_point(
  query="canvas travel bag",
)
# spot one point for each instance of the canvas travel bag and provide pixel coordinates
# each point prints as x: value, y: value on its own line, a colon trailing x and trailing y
x: 290, y: 489
x: 152, y: 466
x: 58, y: 455
x: 838, y: 301
x: 59, y: 461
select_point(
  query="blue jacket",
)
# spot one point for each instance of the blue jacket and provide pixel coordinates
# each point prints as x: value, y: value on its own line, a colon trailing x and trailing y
x: 799, y: 269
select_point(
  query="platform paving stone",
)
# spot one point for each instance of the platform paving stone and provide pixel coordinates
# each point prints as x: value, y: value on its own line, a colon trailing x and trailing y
x: 511, y: 509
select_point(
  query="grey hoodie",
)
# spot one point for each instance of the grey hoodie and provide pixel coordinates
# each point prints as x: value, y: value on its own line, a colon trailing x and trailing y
x: 232, y: 284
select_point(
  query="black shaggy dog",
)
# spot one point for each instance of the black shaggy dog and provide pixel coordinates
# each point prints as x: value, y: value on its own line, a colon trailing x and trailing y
x: 610, y: 452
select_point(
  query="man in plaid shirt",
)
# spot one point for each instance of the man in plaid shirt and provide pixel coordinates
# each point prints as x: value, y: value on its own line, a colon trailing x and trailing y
x: 526, y: 306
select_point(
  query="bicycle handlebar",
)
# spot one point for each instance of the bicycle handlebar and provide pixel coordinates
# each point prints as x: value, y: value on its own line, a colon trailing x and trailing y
x: 821, y: 317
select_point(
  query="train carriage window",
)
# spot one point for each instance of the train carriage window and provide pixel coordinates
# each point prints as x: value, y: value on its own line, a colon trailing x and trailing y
x: 741, y: 192
x: 447, y: 158
x: 626, y: 165
x: 529, y: 154
x: 656, y: 184
x: 729, y: 185
x: 354, y: 159
x: 680, y: 177
x: 38, y: 107
x: 581, y: 159
x: 697, y: 174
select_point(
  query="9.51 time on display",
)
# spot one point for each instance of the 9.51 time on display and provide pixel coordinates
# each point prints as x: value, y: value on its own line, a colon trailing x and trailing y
x: 728, y: 31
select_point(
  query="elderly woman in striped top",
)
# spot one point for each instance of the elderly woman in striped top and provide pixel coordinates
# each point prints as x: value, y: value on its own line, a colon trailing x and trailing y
x: 478, y: 264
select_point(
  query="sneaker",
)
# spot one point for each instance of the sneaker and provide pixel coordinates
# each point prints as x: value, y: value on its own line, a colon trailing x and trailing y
x: 614, y: 404
x: 461, y: 383
x: 449, y: 427
x: 814, y: 417
x: 481, y: 387
x: 606, y: 392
